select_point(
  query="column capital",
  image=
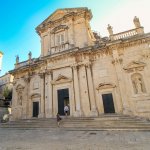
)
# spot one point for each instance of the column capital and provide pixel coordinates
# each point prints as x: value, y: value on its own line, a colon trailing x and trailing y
x: 117, y: 61
x: 48, y: 72
x: 74, y: 66
x: 88, y: 64
x: 41, y: 74
x: 27, y: 79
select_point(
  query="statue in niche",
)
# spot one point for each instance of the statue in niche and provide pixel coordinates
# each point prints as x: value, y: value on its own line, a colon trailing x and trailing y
x: 138, y: 84
x: 20, y: 98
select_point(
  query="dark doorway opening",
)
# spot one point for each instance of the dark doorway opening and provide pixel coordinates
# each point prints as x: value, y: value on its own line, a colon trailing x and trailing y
x: 108, y: 103
x: 63, y: 99
x: 35, y: 109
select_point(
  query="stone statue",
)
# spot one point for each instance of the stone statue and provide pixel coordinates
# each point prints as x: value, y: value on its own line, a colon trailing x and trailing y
x: 136, y: 22
x: 30, y: 55
x: 17, y: 59
x: 138, y: 85
x: 20, y: 98
x: 110, y: 29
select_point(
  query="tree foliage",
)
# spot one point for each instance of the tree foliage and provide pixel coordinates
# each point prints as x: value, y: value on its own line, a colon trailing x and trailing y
x: 7, y: 93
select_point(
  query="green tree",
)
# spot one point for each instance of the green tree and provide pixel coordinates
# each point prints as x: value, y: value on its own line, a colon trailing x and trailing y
x: 7, y: 93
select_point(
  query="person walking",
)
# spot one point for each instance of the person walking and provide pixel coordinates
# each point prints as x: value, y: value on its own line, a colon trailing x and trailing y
x: 66, y: 110
x: 58, y: 119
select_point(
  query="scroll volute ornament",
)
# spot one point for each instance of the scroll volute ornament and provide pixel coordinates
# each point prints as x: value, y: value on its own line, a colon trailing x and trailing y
x: 105, y: 86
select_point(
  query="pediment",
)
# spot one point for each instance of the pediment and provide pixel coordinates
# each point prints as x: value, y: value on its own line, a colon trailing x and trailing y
x: 61, y: 79
x: 134, y: 65
x: 60, y: 13
x: 19, y: 87
x: 35, y: 95
x: 56, y: 15
x: 105, y: 86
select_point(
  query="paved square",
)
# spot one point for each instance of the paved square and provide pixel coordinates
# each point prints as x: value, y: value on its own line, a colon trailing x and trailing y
x: 56, y: 139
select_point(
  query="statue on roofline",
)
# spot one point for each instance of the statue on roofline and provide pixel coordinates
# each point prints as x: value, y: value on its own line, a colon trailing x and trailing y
x: 136, y: 22
x: 17, y: 59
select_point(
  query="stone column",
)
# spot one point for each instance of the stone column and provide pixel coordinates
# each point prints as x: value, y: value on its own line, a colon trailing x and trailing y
x: 91, y: 90
x: 48, y: 95
x: 49, y: 46
x: 41, y: 113
x: 84, y: 90
x: 42, y: 46
x: 27, y: 81
x: 76, y: 91
x: 117, y: 63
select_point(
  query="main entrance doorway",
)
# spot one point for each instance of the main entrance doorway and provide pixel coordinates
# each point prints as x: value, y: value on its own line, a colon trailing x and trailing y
x: 35, y: 109
x: 108, y: 103
x: 63, y: 99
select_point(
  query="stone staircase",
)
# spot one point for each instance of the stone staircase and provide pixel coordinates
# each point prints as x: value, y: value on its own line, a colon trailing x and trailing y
x: 103, y: 122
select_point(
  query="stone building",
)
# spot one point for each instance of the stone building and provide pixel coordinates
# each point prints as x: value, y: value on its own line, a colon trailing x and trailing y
x: 94, y: 75
x: 6, y: 82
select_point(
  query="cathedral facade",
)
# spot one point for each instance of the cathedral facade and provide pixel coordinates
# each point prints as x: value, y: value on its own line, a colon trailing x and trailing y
x: 93, y: 75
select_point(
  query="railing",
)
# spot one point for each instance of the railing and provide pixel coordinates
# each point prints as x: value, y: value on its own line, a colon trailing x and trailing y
x: 59, y: 48
x: 123, y: 35
x: 21, y: 64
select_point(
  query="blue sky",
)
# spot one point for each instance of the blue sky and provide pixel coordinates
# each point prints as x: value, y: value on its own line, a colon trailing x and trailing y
x: 19, y: 19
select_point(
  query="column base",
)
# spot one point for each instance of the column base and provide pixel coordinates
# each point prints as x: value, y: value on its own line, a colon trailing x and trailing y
x: 24, y: 117
x: 77, y: 113
x: 93, y: 113
x: 127, y: 111
x: 48, y: 116
x: 41, y: 115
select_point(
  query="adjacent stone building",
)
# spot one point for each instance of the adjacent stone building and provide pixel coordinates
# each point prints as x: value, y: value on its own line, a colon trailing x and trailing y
x: 6, y: 82
x: 94, y: 75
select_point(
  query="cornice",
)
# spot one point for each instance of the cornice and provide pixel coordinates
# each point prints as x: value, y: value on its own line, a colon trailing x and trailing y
x: 132, y: 41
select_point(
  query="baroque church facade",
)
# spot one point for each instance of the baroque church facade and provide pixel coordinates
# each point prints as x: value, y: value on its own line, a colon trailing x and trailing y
x: 93, y: 75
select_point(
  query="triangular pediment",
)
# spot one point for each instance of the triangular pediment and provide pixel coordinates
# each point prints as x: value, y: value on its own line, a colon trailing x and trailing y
x: 134, y: 65
x: 60, y: 13
x: 56, y: 15
x: 61, y: 79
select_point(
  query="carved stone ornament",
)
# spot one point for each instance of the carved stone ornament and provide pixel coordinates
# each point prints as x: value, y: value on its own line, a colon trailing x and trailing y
x: 61, y: 79
x: 105, y: 86
x: 35, y: 95
x: 134, y: 66
x: 59, y: 28
x: 19, y: 91
x: 19, y: 88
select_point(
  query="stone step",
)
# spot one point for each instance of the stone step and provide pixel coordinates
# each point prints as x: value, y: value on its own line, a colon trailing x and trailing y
x: 104, y: 122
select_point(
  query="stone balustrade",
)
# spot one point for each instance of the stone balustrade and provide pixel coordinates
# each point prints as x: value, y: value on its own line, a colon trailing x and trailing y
x: 59, y: 48
x: 124, y: 34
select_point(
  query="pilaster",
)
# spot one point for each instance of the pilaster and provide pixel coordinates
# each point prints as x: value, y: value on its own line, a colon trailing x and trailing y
x: 76, y: 91
x: 48, y: 95
x: 117, y: 63
x: 85, y: 101
x: 42, y: 78
x: 91, y: 90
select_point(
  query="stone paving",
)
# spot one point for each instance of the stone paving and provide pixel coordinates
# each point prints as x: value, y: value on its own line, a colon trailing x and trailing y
x: 61, y: 139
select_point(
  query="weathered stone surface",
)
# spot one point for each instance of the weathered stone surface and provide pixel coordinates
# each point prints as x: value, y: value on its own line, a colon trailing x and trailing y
x: 72, y: 58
